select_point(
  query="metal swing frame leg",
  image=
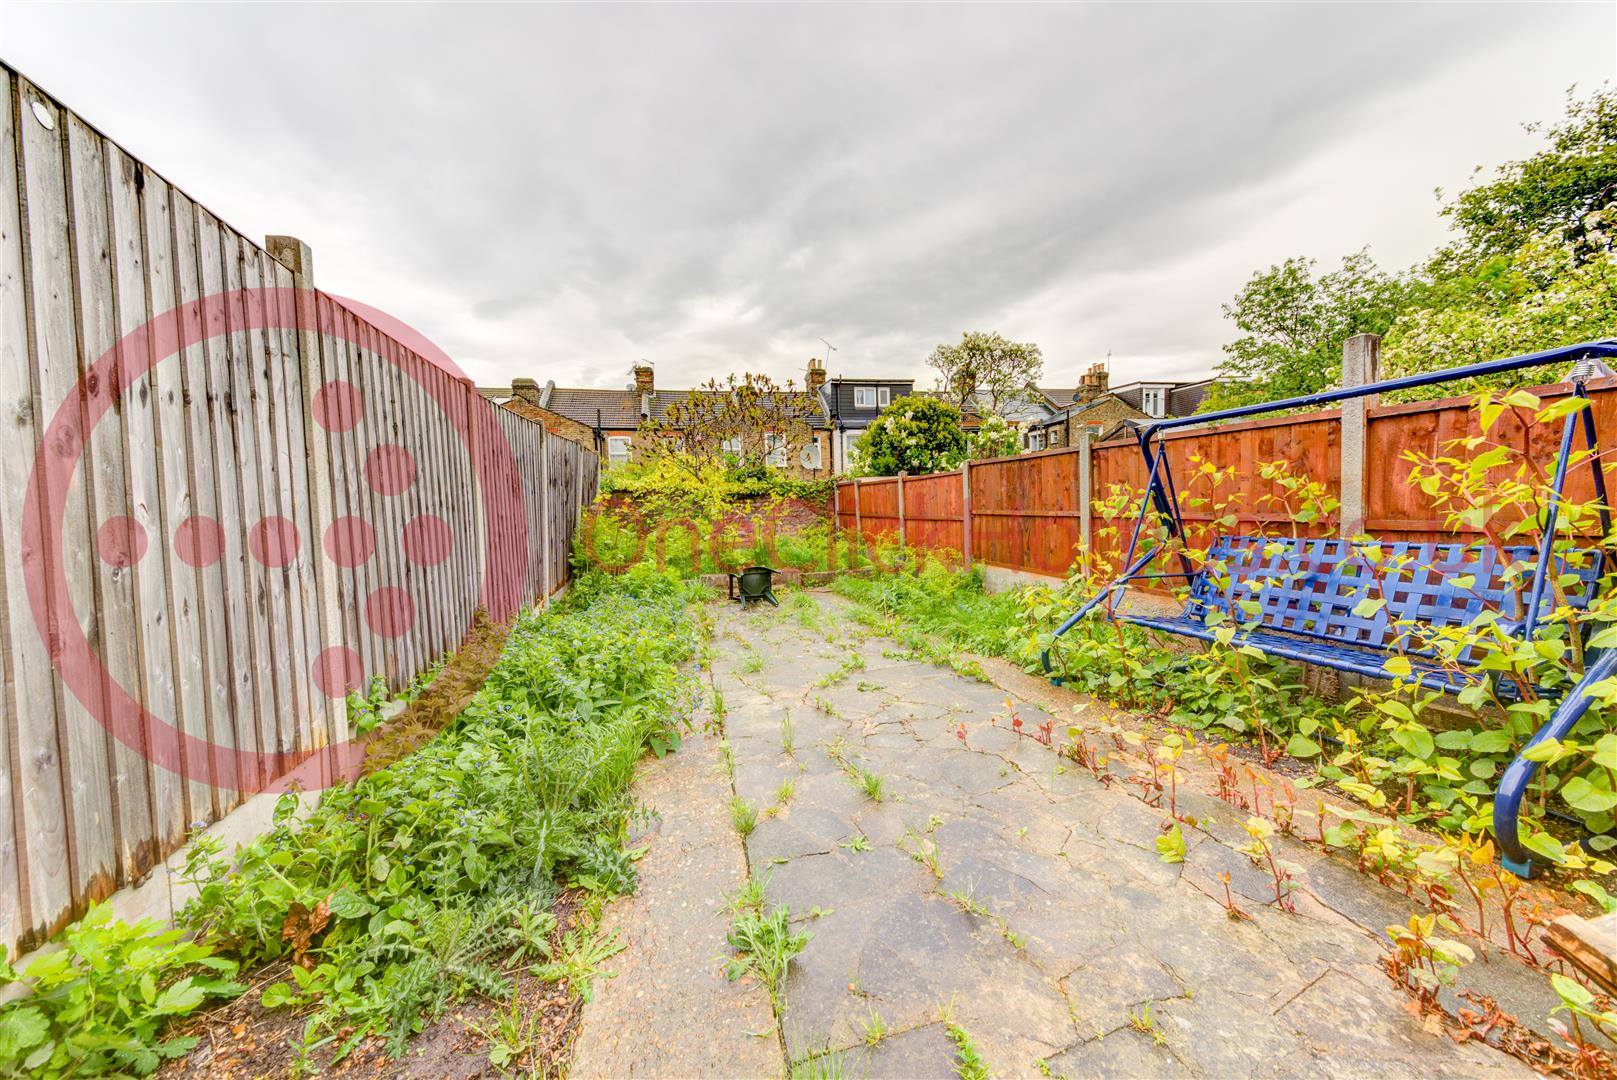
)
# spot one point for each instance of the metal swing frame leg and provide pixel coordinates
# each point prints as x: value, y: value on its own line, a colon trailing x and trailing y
x: 1512, y: 789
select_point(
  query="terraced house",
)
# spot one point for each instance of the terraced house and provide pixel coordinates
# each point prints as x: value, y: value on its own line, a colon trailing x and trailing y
x: 612, y: 420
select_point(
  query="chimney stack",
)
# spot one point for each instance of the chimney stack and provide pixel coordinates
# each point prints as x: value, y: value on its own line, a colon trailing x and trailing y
x: 526, y: 389
x: 816, y: 375
x: 1093, y: 383
x: 643, y: 382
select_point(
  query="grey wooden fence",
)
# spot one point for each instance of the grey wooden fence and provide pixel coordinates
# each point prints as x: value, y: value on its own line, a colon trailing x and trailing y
x: 225, y: 498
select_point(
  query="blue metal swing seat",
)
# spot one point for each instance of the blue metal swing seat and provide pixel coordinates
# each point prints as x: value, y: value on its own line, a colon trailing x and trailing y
x: 1303, y: 599
x: 1305, y: 592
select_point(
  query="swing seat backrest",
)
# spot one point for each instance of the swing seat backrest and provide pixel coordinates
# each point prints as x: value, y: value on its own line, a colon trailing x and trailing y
x: 1365, y: 594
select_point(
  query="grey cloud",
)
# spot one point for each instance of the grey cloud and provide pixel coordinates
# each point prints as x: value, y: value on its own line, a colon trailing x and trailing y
x: 714, y: 188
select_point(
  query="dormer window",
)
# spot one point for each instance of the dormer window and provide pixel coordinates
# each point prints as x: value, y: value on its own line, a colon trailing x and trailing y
x: 872, y: 397
x: 1151, y: 402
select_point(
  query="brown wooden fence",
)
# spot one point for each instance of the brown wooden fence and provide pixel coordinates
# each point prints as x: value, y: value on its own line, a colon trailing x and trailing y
x: 225, y: 498
x: 1027, y: 512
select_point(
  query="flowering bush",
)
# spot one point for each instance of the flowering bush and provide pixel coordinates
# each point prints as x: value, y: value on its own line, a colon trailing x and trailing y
x: 915, y: 435
x: 995, y: 438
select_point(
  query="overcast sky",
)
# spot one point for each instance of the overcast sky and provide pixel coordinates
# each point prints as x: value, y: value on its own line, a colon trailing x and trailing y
x: 560, y: 191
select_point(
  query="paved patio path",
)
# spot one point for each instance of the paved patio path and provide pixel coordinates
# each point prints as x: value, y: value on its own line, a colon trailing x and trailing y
x: 668, y: 1011
x: 1037, y: 919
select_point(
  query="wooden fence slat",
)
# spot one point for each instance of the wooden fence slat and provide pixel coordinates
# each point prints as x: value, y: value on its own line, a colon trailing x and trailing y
x: 81, y: 739
x: 153, y: 681
x: 33, y: 843
x: 237, y: 727
x: 202, y: 653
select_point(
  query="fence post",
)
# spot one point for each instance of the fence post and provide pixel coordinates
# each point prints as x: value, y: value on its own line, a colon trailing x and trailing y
x: 297, y: 257
x: 1361, y: 354
x: 901, y: 511
x: 474, y: 436
x: 858, y: 522
x: 546, y: 526
x: 965, y: 512
x: 1085, y: 495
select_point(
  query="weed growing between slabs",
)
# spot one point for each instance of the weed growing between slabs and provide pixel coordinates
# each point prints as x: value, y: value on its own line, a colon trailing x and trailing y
x: 419, y: 884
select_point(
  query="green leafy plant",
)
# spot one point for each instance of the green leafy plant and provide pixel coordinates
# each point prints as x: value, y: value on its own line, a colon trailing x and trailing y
x: 98, y: 1004
x: 765, y: 945
x: 743, y: 815
x: 579, y: 958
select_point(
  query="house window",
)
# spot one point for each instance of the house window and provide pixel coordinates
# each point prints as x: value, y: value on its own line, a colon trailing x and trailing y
x: 732, y: 445
x: 1151, y: 401
x: 810, y: 457
x: 872, y: 397
x: 1035, y: 439
x: 775, y: 445
x: 617, y: 449
x: 849, y: 439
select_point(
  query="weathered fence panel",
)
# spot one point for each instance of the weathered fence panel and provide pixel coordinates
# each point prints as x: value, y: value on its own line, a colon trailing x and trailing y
x: 190, y: 449
x: 1025, y: 515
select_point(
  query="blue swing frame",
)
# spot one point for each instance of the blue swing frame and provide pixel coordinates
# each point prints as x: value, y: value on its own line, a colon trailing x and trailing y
x: 1161, y: 498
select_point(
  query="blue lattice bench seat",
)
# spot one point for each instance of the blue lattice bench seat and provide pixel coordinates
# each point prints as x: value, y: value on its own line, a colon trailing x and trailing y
x: 1351, y: 605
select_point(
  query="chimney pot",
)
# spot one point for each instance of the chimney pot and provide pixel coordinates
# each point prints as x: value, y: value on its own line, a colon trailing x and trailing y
x: 1093, y: 383
x: 816, y: 375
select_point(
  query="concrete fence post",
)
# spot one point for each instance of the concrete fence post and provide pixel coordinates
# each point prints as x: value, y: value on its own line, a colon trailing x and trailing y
x: 1085, y: 494
x: 901, y: 511
x: 965, y: 512
x: 297, y: 257
x: 1361, y: 356
x: 858, y: 521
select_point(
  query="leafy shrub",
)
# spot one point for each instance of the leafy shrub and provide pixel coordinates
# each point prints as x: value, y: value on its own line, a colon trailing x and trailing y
x: 97, y: 1004
x: 403, y: 891
x: 710, y: 488
x: 914, y: 434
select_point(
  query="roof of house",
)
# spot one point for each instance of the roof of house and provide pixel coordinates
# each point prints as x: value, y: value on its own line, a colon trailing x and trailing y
x: 621, y: 409
x: 1078, y: 408
x: 837, y: 399
x: 1182, y: 400
x: 596, y: 407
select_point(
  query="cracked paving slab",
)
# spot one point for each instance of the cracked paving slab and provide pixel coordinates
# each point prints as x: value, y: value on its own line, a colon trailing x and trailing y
x: 1024, y: 899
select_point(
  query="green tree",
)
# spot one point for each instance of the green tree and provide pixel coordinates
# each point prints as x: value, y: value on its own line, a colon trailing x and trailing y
x: 1551, y: 193
x: 995, y: 438
x: 1293, y: 323
x: 751, y: 421
x: 1533, y: 265
x: 986, y: 367
x: 915, y: 435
